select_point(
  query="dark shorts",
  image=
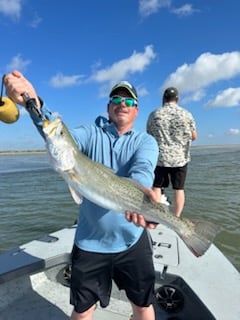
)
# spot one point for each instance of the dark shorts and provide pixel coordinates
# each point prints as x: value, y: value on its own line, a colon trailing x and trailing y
x: 132, y: 270
x: 176, y: 175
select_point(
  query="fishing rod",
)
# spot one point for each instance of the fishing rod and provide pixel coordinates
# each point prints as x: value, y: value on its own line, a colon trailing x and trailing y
x: 1, y: 96
x: 32, y: 105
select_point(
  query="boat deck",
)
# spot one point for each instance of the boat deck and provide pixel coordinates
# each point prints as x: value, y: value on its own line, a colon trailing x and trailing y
x: 32, y: 284
x: 42, y: 297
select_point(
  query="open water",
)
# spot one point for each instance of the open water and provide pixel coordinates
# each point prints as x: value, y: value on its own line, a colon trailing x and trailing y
x: 34, y: 200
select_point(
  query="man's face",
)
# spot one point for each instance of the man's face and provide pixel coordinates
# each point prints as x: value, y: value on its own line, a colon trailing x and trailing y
x: 121, y: 114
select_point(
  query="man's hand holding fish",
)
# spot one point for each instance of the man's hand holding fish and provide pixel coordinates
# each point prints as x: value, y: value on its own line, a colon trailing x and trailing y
x: 138, y: 219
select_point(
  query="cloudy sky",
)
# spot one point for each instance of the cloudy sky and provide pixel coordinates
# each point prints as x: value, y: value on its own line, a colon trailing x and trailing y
x: 73, y: 52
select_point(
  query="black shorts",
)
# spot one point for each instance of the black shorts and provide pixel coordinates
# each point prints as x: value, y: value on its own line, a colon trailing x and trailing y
x: 177, y: 176
x: 132, y: 270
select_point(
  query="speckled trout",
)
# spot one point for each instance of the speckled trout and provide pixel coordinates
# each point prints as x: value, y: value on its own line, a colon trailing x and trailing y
x: 99, y: 184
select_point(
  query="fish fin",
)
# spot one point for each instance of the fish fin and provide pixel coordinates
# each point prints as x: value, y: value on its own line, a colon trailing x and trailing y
x: 76, y: 196
x: 201, y: 237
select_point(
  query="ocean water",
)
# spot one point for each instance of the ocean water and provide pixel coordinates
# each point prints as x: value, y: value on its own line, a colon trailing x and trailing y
x: 34, y: 200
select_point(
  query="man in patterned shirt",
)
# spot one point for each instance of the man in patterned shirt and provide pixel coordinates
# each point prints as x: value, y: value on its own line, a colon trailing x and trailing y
x: 174, y: 129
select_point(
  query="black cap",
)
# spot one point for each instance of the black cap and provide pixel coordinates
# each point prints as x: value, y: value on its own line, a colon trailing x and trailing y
x: 170, y: 93
x: 125, y: 85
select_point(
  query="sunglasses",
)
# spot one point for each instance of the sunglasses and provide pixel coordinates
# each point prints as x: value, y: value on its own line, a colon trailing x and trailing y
x: 129, y: 102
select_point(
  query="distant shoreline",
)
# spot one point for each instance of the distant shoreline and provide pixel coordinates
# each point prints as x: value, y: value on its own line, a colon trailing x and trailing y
x: 224, y: 146
x: 16, y: 152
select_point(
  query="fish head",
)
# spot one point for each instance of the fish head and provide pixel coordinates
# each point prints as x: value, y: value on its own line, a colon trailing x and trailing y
x: 52, y: 129
x: 59, y: 145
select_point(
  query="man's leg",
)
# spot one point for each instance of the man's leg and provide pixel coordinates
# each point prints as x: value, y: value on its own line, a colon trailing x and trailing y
x: 86, y: 315
x: 178, y: 177
x: 178, y: 202
x: 134, y: 272
x: 142, y: 313
x: 161, y: 181
x: 158, y: 194
x: 90, y: 282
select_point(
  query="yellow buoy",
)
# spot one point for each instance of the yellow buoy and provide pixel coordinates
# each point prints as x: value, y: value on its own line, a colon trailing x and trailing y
x: 9, y: 112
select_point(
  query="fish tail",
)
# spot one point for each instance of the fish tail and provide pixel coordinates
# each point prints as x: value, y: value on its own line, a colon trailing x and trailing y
x: 201, y: 236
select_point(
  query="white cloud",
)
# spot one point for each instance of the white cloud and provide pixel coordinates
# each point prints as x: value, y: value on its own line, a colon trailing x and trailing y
x: 60, y: 80
x: 194, y: 96
x: 226, y: 98
x: 11, y: 8
x: 234, y: 132
x: 206, y: 70
x: 120, y: 70
x: 148, y: 7
x: 109, y: 76
x: 185, y: 10
x: 18, y: 63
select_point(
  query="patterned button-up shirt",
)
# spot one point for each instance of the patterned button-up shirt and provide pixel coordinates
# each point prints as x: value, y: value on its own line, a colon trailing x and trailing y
x: 172, y: 127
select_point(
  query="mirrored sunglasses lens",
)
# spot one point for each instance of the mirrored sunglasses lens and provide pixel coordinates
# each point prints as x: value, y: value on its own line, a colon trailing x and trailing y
x: 129, y: 102
x: 116, y: 100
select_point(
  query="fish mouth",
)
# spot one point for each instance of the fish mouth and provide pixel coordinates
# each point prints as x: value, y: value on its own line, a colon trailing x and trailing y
x: 50, y: 127
x: 46, y: 123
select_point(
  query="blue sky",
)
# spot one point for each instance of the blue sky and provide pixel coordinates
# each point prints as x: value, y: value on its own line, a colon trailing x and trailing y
x: 74, y: 51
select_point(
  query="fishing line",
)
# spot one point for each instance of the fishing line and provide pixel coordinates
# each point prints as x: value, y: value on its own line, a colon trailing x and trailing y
x: 1, y: 101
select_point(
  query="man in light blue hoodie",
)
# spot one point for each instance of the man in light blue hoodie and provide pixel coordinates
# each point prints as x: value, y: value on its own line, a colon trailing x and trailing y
x: 108, y: 246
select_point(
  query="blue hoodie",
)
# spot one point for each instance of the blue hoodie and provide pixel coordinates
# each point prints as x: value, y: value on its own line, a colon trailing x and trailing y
x: 133, y: 155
